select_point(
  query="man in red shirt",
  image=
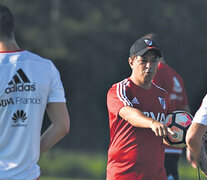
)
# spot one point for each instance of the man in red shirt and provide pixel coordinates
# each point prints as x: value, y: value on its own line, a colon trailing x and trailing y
x: 136, y: 109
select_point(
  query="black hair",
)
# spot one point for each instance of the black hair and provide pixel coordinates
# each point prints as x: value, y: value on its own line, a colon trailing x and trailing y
x: 6, y: 22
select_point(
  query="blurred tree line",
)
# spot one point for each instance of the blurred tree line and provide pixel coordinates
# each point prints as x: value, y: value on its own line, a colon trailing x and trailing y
x: 89, y: 42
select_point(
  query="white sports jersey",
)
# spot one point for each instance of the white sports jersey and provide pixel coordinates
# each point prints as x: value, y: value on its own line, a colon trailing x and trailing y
x: 201, y: 115
x: 28, y: 83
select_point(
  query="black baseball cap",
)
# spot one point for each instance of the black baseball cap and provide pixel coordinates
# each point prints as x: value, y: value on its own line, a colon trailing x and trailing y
x: 142, y: 45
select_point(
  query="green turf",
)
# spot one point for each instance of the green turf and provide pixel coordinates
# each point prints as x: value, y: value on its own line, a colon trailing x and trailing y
x: 84, y: 165
x: 187, y: 172
x: 73, y: 164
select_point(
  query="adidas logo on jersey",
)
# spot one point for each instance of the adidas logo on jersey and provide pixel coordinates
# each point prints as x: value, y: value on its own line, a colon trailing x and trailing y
x: 135, y: 101
x: 20, y: 83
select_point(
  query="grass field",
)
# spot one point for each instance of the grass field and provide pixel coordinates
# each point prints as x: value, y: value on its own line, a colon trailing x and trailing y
x: 186, y: 172
x: 80, y: 165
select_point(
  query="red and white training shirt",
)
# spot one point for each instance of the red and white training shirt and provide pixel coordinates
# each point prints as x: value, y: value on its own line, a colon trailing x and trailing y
x: 135, y: 153
x: 172, y: 82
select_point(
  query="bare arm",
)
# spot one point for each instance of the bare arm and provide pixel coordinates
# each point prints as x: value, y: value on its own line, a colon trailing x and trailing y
x: 196, y: 146
x: 189, y: 155
x: 59, y: 117
x: 194, y: 139
x: 137, y: 119
x: 190, y: 158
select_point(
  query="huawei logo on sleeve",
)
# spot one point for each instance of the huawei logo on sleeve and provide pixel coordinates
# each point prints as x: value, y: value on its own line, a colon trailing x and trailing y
x: 19, y: 83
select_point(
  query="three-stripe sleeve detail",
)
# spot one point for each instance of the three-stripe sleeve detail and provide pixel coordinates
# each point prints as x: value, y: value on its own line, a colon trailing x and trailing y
x: 121, y: 92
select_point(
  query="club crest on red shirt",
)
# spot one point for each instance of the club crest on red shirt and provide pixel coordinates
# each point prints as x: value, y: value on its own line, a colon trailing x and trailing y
x: 162, y: 102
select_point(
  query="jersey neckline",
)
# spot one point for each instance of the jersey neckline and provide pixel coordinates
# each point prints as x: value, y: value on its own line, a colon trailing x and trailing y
x: 143, y: 89
x: 19, y: 50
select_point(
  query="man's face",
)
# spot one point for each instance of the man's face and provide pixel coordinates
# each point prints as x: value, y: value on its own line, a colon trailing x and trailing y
x: 144, y: 67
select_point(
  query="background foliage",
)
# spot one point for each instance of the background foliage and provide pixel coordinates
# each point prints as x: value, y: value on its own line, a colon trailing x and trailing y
x: 89, y: 42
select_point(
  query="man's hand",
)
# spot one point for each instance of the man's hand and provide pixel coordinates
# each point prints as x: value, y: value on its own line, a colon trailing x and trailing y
x: 160, y: 129
x: 190, y: 158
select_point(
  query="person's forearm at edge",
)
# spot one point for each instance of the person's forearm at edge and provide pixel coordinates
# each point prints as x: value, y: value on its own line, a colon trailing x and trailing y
x: 194, y: 139
x: 59, y: 117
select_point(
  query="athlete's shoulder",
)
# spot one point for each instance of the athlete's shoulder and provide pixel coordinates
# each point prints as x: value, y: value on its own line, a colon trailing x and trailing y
x: 117, y: 87
x: 121, y: 84
x: 167, y: 68
x: 118, y: 94
x: 167, y: 73
x: 30, y: 56
x: 204, y: 101
x: 164, y: 69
